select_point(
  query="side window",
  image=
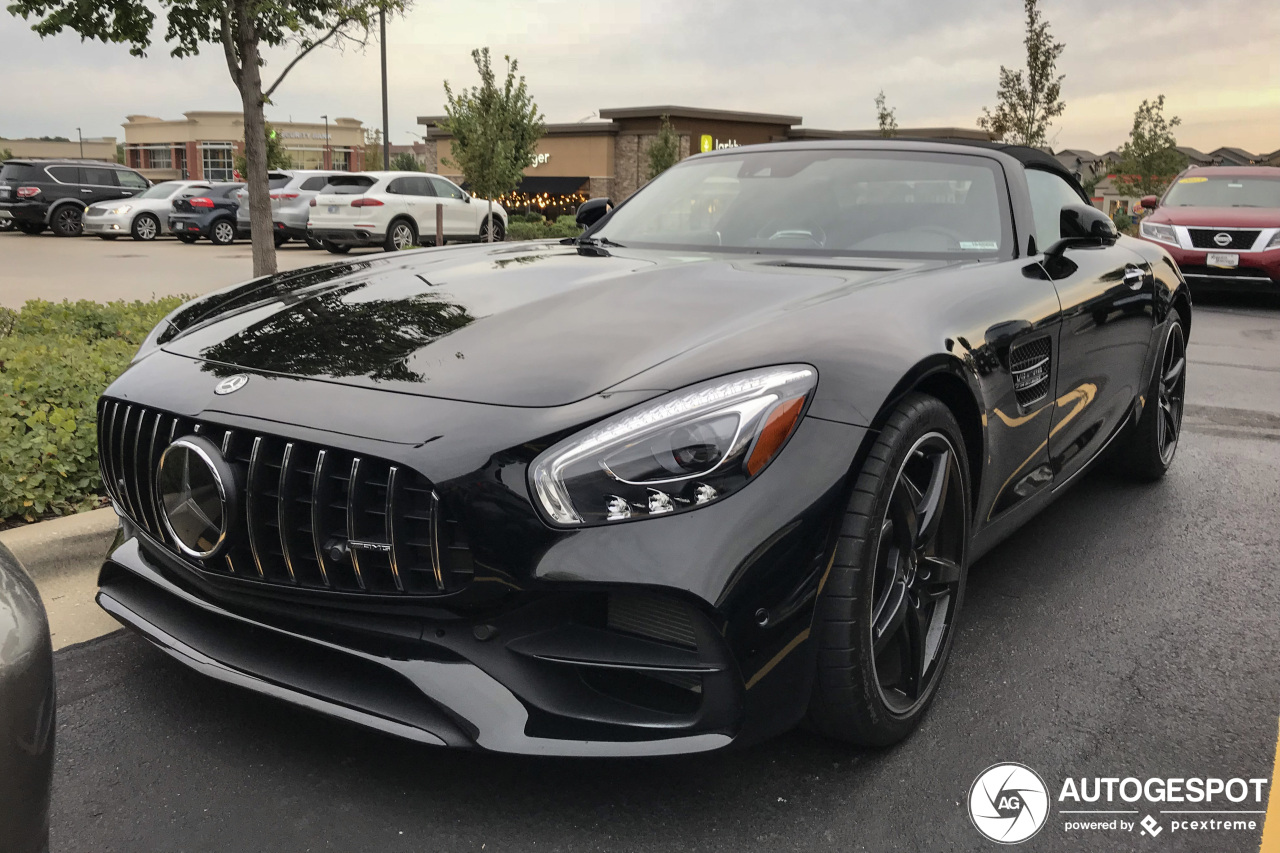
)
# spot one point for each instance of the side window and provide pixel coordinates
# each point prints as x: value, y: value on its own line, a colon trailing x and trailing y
x: 65, y: 174
x: 397, y: 187
x: 131, y: 180
x: 1049, y: 194
x: 97, y: 176
x: 445, y: 189
x: 422, y: 186
x: 314, y: 184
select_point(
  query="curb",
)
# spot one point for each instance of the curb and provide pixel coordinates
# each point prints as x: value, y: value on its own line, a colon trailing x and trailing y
x: 71, y: 544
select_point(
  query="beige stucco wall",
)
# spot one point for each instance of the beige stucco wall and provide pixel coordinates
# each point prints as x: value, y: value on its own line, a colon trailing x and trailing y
x: 103, y: 148
x: 229, y: 127
x: 588, y: 156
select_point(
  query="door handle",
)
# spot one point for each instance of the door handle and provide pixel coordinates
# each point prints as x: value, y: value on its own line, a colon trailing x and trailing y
x: 1134, y: 277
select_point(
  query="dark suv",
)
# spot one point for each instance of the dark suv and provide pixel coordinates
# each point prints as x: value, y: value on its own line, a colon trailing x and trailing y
x: 39, y: 194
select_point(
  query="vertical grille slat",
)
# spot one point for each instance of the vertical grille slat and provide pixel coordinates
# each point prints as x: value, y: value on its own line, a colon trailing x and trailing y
x: 1029, y: 364
x: 304, y: 506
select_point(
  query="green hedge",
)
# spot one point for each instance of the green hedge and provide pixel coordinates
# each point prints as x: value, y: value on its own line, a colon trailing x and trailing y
x: 564, y: 226
x: 55, y: 359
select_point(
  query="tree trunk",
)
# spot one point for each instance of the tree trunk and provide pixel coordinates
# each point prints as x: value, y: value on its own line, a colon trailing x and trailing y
x: 255, y: 143
x: 488, y: 229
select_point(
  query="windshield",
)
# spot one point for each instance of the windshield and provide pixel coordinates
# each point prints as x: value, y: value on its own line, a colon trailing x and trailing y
x: 164, y: 190
x: 1202, y: 191
x: 818, y: 201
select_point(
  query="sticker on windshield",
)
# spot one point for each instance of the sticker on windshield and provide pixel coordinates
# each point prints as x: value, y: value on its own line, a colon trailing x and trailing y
x: 979, y: 245
x: 1192, y: 180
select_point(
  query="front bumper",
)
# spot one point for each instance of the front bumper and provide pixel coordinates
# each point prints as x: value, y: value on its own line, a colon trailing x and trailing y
x: 1255, y: 271
x: 111, y: 225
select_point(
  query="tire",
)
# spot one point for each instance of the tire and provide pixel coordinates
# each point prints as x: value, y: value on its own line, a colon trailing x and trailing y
x: 313, y: 243
x: 187, y: 238
x: 499, y: 230
x: 7, y: 225
x: 32, y: 228
x: 899, y: 566
x: 145, y: 227
x: 1149, y: 448
x: 67, y: 221
x: 401, y: 235
x: 222, y: 232
x: 336, y: 249
x: 280, y: 240
x: 108, y: 237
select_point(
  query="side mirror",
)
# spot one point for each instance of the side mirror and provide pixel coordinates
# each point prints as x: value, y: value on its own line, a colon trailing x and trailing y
x: 592, y: 211
x: 1083, y: 225
x: 1150, y: 202
x: 466, y: 198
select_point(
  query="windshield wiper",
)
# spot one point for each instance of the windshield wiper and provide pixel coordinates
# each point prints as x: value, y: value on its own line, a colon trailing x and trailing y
x: 598, y: 241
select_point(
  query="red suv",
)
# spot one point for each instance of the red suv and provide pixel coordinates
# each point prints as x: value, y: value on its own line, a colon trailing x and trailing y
x: 1221, y: 224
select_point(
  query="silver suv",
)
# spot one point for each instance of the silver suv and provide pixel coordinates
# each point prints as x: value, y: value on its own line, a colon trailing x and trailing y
x: 291, y: 194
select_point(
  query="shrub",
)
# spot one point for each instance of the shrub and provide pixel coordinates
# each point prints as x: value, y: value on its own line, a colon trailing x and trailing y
x: 1122, y: 221
x: 55, y: 360
x: 564, y: 226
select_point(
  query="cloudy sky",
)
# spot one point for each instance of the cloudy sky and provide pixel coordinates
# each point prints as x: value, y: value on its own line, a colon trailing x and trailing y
x: 1218, y: 65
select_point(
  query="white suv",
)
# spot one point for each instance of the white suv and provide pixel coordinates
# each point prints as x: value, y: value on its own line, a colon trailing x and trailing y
x: 291, y: 194
x: 397, y: 210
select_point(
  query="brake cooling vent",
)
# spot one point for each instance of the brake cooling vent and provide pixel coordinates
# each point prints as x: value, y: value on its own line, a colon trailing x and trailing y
x: 653, y: 618
x: 1029, y: 364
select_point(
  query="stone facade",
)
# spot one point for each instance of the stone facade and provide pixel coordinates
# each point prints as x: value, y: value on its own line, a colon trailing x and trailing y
x: 631, y: 161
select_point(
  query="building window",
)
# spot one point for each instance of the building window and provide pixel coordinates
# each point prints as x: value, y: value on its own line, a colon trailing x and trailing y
x: 156, y: 156
x: 342, y: 159
x: 306, y: 158
x: 217, y: 161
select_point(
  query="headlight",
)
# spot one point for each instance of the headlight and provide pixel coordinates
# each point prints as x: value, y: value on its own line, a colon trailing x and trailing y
x: 120, y: 211
x: 674, y: 453
x: 1159, y: 233
x: 1275, y: 241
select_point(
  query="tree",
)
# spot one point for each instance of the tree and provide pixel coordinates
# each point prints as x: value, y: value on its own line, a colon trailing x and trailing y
x: 887, y: 116
x: 241, y: 28
x: 277, y: 156
x: 373, y: 150
x: 405, y: 162
x: 1148, y: 160
x: 664, y: 151
x: 120, y: 153
x: 1026, y: 106
x: 495, y: 131
x: 5, y: 154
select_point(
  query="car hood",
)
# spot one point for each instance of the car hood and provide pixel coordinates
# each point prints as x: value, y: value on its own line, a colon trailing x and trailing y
x: 1218, y: 217
x: 535, y: 325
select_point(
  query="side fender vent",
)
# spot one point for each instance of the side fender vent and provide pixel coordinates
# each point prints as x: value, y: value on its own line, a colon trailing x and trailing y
x: 1029, y: 362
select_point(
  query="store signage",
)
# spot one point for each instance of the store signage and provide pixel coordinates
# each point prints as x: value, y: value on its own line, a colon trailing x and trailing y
x: 711, y: 144
x: 538, y: 160
x: 301, y: 134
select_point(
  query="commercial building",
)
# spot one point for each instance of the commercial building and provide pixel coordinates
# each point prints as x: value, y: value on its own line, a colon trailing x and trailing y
x: 610, y: 157
x: 102, y: 148
x: 203, y: 145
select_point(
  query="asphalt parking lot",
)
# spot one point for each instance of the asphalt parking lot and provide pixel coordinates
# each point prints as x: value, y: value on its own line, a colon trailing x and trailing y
x: 1128, y: 631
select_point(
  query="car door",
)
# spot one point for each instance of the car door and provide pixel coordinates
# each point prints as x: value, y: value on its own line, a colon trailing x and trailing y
x: 459, y: 215
x: 131, y: 183
x: 98, y: 183
x: 1107, y: 321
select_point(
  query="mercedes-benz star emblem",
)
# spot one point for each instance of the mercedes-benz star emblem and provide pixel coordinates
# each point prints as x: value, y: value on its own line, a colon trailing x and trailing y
x: 1222, y: 238
x: 194, y: 484
x: 231, y: 384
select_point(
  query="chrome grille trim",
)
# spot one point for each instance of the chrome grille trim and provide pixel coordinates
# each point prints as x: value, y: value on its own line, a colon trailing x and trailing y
x: 312, y: 517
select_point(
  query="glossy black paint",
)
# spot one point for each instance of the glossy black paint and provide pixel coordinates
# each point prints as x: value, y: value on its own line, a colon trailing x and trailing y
x: 189, y: 221
x: 26, y: 711
x: 462, y: 363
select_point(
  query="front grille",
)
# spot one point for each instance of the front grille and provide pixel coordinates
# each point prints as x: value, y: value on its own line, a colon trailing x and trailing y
x: 1029, y: 363
x: 312, y: 517
x: 1202, y: 238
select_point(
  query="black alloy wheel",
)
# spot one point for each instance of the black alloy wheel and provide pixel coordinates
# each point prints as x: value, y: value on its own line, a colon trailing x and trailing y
x: 400, y: 236
x: 1152, y: 442
x: 313, y: 243
x: 145, y: 227
x: 7, y: 225
x: 280, y: 239
x: 223, y: 232
x: 67, y: 221
x: 493, y: 227
x: 336, y: 248
x: 887, y: 610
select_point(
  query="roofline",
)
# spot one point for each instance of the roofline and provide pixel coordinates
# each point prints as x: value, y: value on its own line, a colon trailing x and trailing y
x: 699, y: 113
x: 585, y: 128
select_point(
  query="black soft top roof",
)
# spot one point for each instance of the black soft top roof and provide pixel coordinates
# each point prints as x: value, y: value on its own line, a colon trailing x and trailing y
x: 1024, y: 154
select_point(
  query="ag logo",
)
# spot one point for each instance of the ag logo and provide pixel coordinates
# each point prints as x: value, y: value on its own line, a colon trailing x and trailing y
x: 230, y: 384
x: 707, y: 144
x: 1008, y: 803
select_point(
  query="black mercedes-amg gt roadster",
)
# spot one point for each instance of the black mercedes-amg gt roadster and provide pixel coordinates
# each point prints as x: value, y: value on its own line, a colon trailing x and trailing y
x: 716, y: 467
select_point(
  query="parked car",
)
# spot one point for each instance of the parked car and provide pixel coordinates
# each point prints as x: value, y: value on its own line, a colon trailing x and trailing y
x: 209, y: 213
x: 1222, y: 225
x: 291, y: 194
x: 397, y: 210
x: 143, y: 217
x: 679, y: 483
x: 39, y: 194
x: 27, y: 711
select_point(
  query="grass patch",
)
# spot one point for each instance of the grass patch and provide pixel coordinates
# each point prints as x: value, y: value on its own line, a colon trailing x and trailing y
x: 55, y: 360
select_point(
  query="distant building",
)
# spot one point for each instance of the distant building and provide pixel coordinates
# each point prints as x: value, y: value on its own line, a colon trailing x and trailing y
x: 102, y: 148
x: 203, y: 145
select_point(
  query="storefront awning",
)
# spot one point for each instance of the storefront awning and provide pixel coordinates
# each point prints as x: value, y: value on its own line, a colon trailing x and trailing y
x: 535, y: 185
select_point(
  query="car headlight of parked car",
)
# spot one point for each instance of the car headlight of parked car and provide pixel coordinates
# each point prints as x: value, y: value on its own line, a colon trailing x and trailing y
x: 675, y: 453
x: 120, y: 211
x: 1160, y: 233
x: 1274, y: 243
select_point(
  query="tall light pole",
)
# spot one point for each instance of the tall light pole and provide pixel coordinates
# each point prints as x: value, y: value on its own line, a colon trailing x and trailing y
x: 81, y: 138
x: 386, y: 125
x: 327, y: 160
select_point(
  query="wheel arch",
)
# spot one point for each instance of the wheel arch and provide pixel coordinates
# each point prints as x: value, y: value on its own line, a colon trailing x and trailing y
x: 1182, y: 304
x: 54, y: 207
